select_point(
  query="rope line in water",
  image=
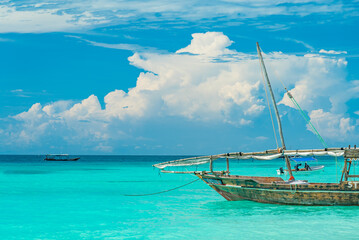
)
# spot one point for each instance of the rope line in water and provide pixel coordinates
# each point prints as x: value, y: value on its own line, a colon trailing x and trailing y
x: 168, y: 190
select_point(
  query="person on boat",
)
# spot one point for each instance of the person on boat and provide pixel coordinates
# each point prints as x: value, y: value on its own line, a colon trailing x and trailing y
x: 307, y: 167
x: 296, y: 167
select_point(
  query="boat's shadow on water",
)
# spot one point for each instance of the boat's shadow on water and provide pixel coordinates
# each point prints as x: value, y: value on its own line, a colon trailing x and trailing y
x: 249, y: 208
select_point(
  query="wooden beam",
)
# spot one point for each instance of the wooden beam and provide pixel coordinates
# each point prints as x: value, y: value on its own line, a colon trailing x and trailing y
x: 227, y: 165
x: 353, y: 176
x: 344, y: 170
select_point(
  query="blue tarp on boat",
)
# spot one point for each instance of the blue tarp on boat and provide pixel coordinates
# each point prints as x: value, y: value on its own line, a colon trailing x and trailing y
x: 303, y: 159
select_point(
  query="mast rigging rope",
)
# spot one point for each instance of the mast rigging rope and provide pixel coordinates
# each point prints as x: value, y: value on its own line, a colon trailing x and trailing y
x: 306, y: 118
x: 291, y: 97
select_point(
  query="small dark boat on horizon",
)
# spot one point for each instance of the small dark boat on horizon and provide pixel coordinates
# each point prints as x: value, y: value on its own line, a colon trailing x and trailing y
x: 60, y: 157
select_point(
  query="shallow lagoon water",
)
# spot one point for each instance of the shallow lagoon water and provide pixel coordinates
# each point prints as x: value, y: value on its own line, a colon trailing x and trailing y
x: 84, y: 200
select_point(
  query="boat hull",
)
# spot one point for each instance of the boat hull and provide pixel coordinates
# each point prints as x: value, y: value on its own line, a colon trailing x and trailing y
x: 275, y: 190
x: 53, y: 159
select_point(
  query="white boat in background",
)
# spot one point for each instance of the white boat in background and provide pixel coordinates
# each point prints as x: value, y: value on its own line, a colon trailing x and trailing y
x: 300, y: 168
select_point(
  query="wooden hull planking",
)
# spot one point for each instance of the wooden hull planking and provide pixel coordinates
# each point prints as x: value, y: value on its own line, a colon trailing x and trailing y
x: 275, y: 190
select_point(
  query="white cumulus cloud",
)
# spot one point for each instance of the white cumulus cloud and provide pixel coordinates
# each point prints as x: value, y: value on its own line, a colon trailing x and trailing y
x: 210, y: 44
x: 332, y: 52
x: 191, y: 85
x: 333, y: 126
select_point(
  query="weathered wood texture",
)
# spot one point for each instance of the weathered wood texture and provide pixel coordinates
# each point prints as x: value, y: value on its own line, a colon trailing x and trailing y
x: 351, y: 153
x: 275, y: 190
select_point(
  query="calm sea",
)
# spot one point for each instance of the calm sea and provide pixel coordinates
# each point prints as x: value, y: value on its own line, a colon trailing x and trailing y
x: 85, y: 200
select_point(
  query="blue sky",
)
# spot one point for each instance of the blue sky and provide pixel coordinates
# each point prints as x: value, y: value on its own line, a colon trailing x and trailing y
x: 174, y: 77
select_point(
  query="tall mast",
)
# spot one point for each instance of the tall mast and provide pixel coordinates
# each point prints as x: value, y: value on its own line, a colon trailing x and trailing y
x: 276, y: 110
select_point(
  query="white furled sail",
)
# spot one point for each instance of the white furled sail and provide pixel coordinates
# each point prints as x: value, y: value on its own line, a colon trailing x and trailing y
x: 264, y: 156
x: 193, y: 161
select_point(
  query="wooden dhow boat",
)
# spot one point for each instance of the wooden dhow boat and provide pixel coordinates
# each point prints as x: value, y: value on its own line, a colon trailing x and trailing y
x: 60, y: 157
x: 275, y: 189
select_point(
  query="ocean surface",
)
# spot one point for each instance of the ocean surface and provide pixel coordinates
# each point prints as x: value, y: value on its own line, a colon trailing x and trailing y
x: 85, y: 200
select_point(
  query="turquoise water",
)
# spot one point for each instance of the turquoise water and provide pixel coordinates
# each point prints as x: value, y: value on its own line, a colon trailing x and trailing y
x: 84, y: 200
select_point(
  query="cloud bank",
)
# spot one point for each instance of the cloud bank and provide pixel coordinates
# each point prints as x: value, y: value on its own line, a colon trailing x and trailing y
x: 196, y: 85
